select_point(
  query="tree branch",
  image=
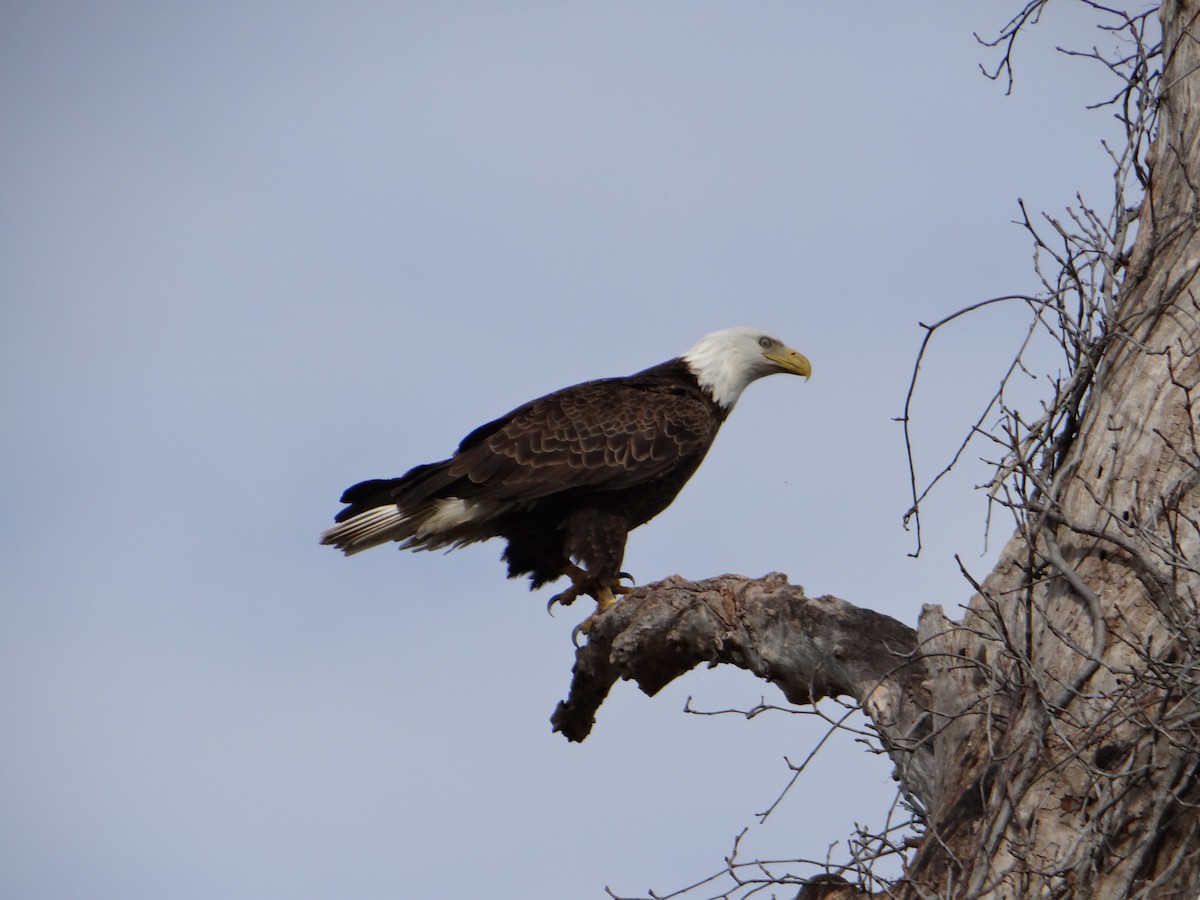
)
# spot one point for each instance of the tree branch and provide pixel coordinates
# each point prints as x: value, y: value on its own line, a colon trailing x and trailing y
x: 809, y: 647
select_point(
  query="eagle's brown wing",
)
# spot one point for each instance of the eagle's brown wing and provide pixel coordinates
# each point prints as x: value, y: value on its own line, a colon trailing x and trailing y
x: 605, y: 435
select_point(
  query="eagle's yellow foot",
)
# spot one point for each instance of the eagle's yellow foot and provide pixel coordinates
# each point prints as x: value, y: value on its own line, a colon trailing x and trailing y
x: 605, y: 600
x: 565, y: 598
x: 579, y: 586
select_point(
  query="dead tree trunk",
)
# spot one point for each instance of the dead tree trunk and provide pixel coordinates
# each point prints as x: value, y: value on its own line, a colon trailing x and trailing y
x: 1050, y: 740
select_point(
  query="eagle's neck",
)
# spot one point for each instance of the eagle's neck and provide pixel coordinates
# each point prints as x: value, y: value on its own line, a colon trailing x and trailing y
x: 720, y: 375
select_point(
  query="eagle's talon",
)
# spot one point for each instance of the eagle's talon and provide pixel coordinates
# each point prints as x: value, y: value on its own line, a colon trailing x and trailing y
x: 581, y: 628
x: 564, y: 598
x: 605, y: 600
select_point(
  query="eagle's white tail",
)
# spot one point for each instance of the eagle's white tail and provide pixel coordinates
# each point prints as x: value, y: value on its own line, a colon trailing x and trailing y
x: 438, y: 525
x: 369, y: 529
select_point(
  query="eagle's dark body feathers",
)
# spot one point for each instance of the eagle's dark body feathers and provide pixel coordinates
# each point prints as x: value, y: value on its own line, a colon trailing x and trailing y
x: 566, y: 477
x: 570, y: 474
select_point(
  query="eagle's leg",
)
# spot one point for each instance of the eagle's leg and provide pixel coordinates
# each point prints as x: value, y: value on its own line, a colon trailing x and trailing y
x: 581, y: 583
x: 605, y: 597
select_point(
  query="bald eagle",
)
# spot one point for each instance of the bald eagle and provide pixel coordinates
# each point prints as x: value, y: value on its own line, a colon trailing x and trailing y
x: 565, y: 478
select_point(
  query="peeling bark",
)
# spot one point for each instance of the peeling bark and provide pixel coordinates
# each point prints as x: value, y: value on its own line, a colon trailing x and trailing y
x: 809, y: 647
x: 1068, y: 747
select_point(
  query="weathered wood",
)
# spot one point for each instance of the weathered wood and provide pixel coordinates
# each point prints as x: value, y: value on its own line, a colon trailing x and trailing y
x: 1067, y: 746
x: 810, y: 647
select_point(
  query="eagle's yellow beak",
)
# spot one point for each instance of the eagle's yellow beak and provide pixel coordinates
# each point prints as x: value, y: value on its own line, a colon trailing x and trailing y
x: 790, y: 360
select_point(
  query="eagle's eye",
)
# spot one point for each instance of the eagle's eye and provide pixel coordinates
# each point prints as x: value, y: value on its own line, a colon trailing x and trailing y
x: 765, y: 342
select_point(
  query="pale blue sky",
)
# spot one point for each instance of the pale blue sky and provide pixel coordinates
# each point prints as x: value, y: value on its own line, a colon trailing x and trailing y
x: 252, y: 253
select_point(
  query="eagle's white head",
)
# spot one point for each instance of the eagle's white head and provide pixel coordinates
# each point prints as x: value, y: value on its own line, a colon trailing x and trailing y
x: 726, y: 361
